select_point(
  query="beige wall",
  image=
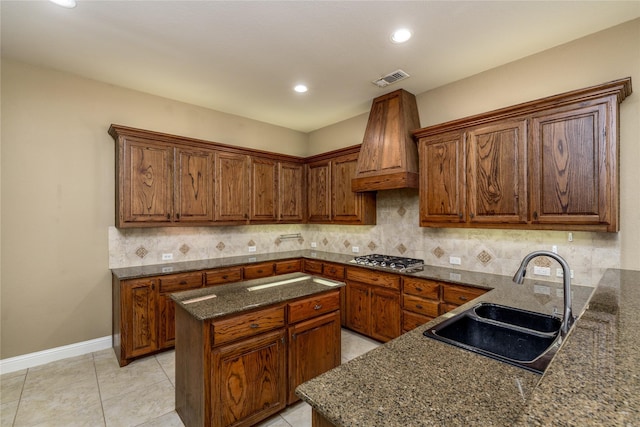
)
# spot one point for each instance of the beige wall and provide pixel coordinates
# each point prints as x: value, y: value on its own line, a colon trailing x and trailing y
x: 58, y: 193
x: 58, y: 172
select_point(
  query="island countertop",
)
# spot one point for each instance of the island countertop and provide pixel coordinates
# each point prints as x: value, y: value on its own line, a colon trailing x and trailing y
x: 222, y: 300
x: 416, y: 381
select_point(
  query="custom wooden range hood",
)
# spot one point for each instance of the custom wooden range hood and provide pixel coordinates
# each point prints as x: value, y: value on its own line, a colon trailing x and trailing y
x: 388, y: 157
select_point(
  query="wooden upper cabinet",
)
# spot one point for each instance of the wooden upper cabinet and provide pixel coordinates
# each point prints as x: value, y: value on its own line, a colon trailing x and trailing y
x: 264, y: 190
x: 545, y: 164
x: 232, y: 187
x: 193, y: 185
x: 496, y: 173
x: 573, y: 169
x: 291, y: 192
x: 329, y: 195
x: 145, y: 190
x: 442, y: 179
x: 319, y: 191
x: 345, y: 204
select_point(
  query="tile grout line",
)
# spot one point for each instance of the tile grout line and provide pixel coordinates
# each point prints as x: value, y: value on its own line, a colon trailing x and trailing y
x: 13, y: 422
x: 95, y: 371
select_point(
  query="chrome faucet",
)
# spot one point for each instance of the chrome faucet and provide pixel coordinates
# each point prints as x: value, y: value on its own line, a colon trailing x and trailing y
x: 567, y: 316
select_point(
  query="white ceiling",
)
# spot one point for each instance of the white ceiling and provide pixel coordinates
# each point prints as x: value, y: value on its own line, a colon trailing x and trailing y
x: 244, y: 57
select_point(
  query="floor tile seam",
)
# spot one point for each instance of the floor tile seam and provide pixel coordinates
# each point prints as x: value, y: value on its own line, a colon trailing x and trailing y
x: 164, y: 370
x: 15, y: 415
x: 150, y: 385
x: 95, y: 370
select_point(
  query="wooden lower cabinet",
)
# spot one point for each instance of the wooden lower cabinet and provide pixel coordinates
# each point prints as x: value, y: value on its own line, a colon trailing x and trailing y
x: 134, y: 317
x: 248, y: 380
x: 243, y: 368
x: 373, y: 303
x: 312, y: 350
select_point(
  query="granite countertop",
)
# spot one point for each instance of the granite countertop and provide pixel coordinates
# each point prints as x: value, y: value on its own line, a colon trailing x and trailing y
x: 222, y: 300
x: 415, y: 381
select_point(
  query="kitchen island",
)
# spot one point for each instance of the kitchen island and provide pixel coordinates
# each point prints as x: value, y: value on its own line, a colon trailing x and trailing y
x: 242, y: 348
x: 416, y: 381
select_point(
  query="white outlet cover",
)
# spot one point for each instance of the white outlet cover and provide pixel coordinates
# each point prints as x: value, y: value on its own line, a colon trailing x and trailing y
x: 252, y: 248
x: 167, y: 257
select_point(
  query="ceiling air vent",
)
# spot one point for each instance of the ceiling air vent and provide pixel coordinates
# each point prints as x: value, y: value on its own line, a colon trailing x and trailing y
x: 396, y: 76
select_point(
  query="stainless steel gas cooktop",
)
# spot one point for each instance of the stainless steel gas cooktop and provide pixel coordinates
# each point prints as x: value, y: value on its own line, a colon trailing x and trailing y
x: 390, y: 262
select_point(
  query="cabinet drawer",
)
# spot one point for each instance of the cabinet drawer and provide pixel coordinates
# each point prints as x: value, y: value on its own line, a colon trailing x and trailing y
x: 257, y: 271
x: 412, y: 320
x: 314, y: 306
x: 420, y: 305
x: 313, y: 267
x: 180, y: 282
x: 374, y: 278
x: 459, y: 295
x: 284, y: 267
x: 422, y: 288
x: 247, y: 325
x: 223, y: 275
x: 333, y: 271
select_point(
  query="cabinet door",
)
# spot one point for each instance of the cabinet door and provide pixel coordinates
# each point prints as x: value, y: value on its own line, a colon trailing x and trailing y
x: 441, y: 179
x: 232, y: 187
x: 264, y: 190
x: 347, y: 206
x: 496, y: 173
x: 139, y: 316
x: 385, y: 314
x: 291, y: 192
x: 319, y: 192
x: 314, y: 348
x: 146, y: 194
x: 249, y: 380
x: 358, y: 305
x: 166, y: 322
x: 193, y: 185
x: 572, y: 169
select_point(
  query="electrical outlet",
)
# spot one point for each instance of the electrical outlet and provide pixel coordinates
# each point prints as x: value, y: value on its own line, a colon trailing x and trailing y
x: 455, y: 260
x: 252, y: 248
x: 554, y: 249
x: 560, y: 274
x: 314, y: 245
x: 355, y: 249
x: 167, y: 257
x: 541, y: 271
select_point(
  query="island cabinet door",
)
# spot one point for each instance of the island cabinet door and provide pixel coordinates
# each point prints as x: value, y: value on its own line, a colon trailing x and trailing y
x: 314, y: 348
x: 248, y: 380
x: 358, y: 305
x: 385, y: 314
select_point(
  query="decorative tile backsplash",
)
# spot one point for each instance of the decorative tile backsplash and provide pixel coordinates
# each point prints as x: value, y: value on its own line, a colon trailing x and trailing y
x: 396, y: 233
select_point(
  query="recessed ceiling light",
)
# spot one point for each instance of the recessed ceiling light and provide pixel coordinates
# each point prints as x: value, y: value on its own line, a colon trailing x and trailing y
x: 300, y: 88
x: 69, y: 4
x: 401, y: 35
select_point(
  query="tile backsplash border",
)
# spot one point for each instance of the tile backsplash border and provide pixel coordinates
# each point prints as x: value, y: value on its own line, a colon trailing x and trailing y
x: 396, y: 233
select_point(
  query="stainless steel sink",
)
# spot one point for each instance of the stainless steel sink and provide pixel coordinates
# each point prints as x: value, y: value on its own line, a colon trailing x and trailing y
x: 518, y: 337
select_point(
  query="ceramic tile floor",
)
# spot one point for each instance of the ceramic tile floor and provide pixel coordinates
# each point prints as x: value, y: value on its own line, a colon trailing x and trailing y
x: 92, y: 390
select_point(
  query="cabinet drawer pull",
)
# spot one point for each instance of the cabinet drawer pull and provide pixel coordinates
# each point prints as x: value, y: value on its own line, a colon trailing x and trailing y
x: 254, y: 326
x: 419, y: 289
x: 317, y: 307
x: 225, y: 277
x: 463, y: 298
x: 419, y: 306
x: 183, y: 282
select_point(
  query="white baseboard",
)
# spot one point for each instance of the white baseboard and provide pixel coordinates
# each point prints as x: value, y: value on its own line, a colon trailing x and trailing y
x: 30, y: 360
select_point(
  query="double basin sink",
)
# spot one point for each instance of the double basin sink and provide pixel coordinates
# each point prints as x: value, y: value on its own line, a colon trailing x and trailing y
x: 519, y: 337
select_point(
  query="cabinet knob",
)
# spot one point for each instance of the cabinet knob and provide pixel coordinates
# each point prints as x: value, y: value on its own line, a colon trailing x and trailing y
x: 419, y: 306
x: 254, y: 326
x: 471, y: 215
x: 535, y: 214
x: 463, y: 298
x: 225, y: 277
x: 168, y: 216
x: 317, y: 307
x: 419, y: 289
x: 460, y: 215
x: 178, y: 216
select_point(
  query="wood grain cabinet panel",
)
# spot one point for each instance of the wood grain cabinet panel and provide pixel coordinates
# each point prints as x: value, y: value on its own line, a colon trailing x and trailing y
x: 496, y: 173
x: 139, y: 313
x: 222, y: 275
x: 319, y: 191
x: 247, y: 325
x: 193, y: 191
x: 231, y: 187
x: 291, y: 192
x: 249, y: 380
x: 264, y: 190
x: 573, y: 179
x: 145, y: 190
x: 549, y: 164
x: 259, y: 270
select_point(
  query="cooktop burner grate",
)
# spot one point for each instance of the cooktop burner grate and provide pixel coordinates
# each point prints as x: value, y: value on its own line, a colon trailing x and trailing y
x: 389, y: 262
